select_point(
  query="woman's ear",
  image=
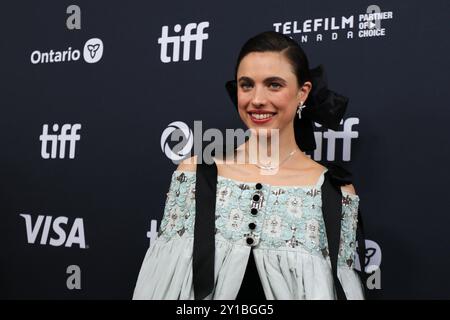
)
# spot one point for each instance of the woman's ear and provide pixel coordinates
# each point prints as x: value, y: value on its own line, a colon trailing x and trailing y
x: 304, y: 91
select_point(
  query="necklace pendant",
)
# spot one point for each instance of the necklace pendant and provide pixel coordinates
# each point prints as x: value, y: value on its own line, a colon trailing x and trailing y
x: 267, y: 167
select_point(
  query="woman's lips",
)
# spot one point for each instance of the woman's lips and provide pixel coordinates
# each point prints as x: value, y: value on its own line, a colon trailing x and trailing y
x: 260, y: 121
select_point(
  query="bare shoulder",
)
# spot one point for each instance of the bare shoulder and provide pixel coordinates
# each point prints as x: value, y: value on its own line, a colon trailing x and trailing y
x: 188, y: 164
x: 349, y: 188
x: 315, y: 167
x: 312, y: 169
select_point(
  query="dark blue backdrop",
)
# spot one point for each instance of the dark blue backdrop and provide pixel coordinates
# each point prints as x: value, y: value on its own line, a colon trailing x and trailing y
x: 116, y: 183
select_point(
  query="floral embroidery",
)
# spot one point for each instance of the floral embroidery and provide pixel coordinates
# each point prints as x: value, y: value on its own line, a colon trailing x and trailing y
x: 224, y: 196
x: 294, y: 206
x: 179, y: 210
x: 235, y: 220
x: 312, y: 232
x: 287, y: 217
x: 347, y: 247
x: 273, y: 226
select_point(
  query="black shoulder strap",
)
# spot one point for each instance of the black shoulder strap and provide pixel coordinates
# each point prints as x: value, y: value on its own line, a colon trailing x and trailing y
x: 331, y: 209
x: 204, y: 230
x: 335, y: 177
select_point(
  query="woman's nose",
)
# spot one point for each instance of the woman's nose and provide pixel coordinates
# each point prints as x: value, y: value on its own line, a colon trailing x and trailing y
x: 259, y: 96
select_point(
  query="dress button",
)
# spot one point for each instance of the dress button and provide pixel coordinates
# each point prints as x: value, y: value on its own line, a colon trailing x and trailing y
x: 250, y: 240
x: 256, y: 197
x: 252, y: 225
x: 254, y: 211
x: 258, y: 186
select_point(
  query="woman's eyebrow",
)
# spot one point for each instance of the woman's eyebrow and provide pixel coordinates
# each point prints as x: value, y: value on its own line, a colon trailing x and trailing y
x: 272, y: 79
x: 269, y: 79
x: 245, y: 79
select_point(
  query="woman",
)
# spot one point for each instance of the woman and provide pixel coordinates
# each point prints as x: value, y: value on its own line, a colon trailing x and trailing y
x: 270, y: 240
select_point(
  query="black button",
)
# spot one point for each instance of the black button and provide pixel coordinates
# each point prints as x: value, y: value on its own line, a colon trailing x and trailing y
x: 254, y: 211
x: 250, y: 241
x: 255, y: 197
x: 252, y: 225
x: 258, y: 186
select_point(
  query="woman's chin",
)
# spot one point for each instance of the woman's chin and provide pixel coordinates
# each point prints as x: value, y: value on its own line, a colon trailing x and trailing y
x: 264, y: 132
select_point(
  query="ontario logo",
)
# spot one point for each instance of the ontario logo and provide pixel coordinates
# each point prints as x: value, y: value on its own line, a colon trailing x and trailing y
x: 92, y: 53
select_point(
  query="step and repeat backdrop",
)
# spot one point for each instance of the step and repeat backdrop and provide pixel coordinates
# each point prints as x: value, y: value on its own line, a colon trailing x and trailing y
x: 91, y: 92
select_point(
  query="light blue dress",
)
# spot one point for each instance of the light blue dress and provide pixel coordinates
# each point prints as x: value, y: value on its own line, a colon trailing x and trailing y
x: 290, y: 244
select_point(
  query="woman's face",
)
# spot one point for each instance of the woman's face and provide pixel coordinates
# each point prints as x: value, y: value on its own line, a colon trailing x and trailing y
x: 267, y: 85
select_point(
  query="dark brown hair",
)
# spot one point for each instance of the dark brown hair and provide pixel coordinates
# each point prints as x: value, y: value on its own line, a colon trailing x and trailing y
x: 271, y: 41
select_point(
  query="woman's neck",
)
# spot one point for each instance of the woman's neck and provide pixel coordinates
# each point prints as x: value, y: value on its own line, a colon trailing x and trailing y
x: 273, y: 148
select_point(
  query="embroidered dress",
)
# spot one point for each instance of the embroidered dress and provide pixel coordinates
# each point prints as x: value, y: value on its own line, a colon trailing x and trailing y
x: 282, y: 228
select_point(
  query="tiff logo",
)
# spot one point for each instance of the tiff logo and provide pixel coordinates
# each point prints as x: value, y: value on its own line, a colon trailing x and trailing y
x: 45, y: 223
x: 186, y: 39
x: 59, y: 139
x: 346, y: 135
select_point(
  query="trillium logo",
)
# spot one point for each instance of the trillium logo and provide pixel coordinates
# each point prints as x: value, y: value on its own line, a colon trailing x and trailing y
x: 93, y: 50
x: 175, y: 131
x: 373, y: 257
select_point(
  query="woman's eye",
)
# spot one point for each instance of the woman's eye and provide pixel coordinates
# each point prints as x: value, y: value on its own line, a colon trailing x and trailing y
x: 246, y: 86
x: 275, y: 85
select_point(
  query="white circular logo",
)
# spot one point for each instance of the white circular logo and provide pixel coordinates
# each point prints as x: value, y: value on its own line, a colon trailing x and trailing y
x: 172, y: 127
x: 93, y: 50
x: 373, y: 257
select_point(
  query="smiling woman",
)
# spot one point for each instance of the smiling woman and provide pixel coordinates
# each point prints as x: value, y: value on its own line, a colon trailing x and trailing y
x: 231, y: 231
x: 269, y: 92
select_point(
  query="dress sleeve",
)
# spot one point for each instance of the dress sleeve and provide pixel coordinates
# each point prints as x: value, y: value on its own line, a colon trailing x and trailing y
x: 347, y: 275
x: 166, y: 271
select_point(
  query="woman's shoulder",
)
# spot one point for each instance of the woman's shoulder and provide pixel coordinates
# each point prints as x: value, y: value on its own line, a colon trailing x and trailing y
x: 188, y: 164
x: 349, y: 188
x: 339, y: 173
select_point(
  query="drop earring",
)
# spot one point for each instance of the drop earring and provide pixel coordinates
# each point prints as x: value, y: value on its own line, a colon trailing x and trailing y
x: 299, y: 109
